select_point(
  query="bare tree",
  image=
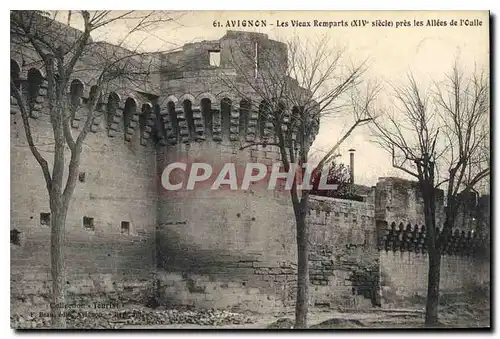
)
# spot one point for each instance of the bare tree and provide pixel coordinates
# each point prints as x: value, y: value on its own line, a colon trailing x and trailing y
x: 464, y: 111
x: 63, y: 52
x: 298, y: 83
x: 438, y: 137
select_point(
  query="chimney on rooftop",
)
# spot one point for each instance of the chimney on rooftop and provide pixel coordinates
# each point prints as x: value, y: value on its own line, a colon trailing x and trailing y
x: 351, y: 166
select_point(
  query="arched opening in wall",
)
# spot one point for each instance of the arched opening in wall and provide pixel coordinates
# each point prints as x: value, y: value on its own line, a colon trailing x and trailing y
x: 75, y: 93
x: 15, y: 74
x: 263, y: 117
x: 35, y: 80
x: 206, y: 112
x: 245, y: 106
x: 188, y: 115
x: 111, y: 108
x: 172, y: 116
x: 225, y: 109
x: 128, y: 113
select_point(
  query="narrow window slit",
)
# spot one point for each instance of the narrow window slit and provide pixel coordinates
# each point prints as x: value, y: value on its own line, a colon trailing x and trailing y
x: 45, y: 219
x: 88, y: 223
x: 15, y: 239
x: 125, y: 227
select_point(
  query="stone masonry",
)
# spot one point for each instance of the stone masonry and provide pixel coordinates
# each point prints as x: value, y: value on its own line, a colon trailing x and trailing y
x: 126, y: 236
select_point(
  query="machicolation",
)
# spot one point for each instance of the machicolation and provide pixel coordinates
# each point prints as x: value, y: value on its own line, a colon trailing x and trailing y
x: 204, y: 248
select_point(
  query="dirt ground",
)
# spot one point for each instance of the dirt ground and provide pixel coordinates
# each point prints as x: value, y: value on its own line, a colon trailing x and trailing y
x: 454, y: 316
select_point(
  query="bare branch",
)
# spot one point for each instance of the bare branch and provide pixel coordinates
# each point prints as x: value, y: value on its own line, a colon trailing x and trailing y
x: 29, y: 137
x: 264, y: 144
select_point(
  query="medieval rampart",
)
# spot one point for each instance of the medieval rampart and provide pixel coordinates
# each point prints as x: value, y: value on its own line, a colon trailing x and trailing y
x: 207, y: 248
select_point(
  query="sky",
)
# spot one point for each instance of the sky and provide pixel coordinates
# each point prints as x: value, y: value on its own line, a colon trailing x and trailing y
x: 428, y: 52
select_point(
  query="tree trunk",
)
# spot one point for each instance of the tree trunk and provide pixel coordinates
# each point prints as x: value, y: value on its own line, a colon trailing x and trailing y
x: 57, y: 307
x: 431, y: 307
x: 301, y: 305
x: 434, y: 254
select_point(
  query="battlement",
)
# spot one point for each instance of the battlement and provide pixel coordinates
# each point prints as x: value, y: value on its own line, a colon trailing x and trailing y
x: 412, y: 238
x: 190, y: 108
x: 248, y: 50
x: 173, y: 120
x: 401, y: 200
x: 332, y: 211
x: 51, y: 30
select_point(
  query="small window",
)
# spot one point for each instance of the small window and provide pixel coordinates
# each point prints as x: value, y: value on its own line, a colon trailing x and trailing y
x: 214, y: 58
x: 15, y: 239
x: 45, y: 219
x: 81, y: 177
x: 125, y: 227
x: 88, y: 223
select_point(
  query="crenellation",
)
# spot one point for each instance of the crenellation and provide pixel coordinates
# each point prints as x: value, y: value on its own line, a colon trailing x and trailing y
x: 199, y: 127
x: 268, y: 128
x: 182, y: 124
x: 217, y: 125
x: 234, y: 123
x: 146, y: 122
x: 210, y: 248
x: 252, y: 122
x: 130, y: 118
x: 167, y: 118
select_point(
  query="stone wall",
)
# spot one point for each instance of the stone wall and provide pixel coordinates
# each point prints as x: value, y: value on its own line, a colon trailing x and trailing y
x: 116, y: 188
x: 120, y: 188
x: 402, y: 243
x: 206, y: 248
x: 343, y: 247
x: 224, y: 239
x: 236, y: 49
x: 399, y: 200
x: 110, y: 228
x: 404, y: 277
x: 260, y: 275
x: 474, y: 212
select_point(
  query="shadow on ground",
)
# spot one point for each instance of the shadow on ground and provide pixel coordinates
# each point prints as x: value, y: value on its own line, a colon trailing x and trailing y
x: 453, y: 316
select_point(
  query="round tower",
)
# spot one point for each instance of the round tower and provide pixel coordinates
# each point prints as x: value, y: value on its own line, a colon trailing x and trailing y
x: 228, y: 234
